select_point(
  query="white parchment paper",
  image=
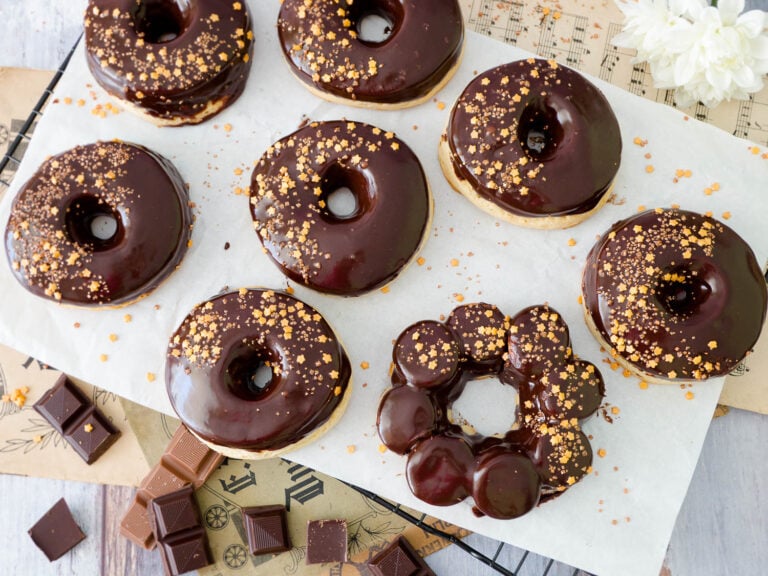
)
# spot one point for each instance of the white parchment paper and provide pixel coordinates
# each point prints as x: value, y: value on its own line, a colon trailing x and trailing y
x: 618, y: 520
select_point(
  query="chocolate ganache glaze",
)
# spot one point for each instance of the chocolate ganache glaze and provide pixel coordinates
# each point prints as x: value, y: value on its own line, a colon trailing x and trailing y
x: 179, y: 61
x: 349, y: 253
x: 322, y: 41
x: 50, y: 240
x: 213, y: 363
x: 674, y: 294
x: 506, y: 475
x: 535, y: 139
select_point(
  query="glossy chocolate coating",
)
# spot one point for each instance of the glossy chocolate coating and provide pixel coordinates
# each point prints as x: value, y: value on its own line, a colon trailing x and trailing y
x: 507, y: 474
x: 171, y: 58
x: 535, y: 138
x: 677, y: 294
x: 340, y: 254
x: 212, y: 367
x: 321, y: 42
x: 51, y: 248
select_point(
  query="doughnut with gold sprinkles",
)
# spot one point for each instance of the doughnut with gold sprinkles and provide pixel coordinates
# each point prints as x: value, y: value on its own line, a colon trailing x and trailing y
x: 256, y: 373
x: 172, y: 62
x: 506, y: 474
x: 326, y: 245
x: 329, y: 48
x: 533, y: 143
x: 674, y: 295
x: 100, y: 224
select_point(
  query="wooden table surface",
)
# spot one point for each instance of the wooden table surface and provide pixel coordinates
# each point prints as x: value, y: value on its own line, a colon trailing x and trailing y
x: 722, y: 529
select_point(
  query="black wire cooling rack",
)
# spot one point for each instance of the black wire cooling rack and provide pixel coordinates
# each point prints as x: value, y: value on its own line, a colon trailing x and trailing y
x: 503, y: 558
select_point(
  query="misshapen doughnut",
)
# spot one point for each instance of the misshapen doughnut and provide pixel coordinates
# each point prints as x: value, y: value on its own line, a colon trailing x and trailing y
x: 50, y: 240
x: 322, y: 42
x: 532, y: 143
x: 214, y: 379
x: 350, y: 253
x: 173, y: 62
x: 674, y: 295
x: 506, y: 475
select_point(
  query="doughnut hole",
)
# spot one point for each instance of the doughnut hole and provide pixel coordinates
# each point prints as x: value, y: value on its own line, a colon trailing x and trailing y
x: 91, y: 222
x: 495, y: 415
x: 439, y: 470
x: 540, y: 129
x: 160, y: 21
x: 561, y: 457
x: 505, y: 484
x: 406, y: 415
x: 683, y: 290
x: 481, y: 330
x: 538, y: 341
x: 427, y: 355
x: 344, y: 194
x: 248, y: 372
x: 574, y: 391
x: 376, y: 21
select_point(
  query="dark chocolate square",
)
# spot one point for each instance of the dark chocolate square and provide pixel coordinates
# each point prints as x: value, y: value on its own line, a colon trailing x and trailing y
x: 188, y: 551
x: 72, y: 414
x: 326, y: 541
x: 62, y: 404
x: 266, y: 529
x: 399, y: 559
x: 92, y: 435
x: 56, y: 533
x: 174, y: 513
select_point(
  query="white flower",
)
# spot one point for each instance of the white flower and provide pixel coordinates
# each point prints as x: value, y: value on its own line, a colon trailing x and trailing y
x: 707, y: 54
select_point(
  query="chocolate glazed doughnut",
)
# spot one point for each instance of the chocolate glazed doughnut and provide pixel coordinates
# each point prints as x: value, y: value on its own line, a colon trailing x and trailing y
x: 173, y: 61
x: 215, y: 383
x: 53, y: 241
x: 323, y: 249
x: 532, y: 143
x: 674, y: 295
x: 322, y: 41
x: 507, y: 474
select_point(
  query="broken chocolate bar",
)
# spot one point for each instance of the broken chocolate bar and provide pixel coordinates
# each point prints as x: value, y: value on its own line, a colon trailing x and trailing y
x: 75, y: 417
x: 399, y: 559
x: 326, y: 541
x: 266, y: 529
x: 175, y: 521
x: 186, y: 461
x: 56, y: 533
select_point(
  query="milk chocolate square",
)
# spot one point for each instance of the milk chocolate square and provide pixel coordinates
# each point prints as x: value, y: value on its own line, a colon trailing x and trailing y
x: 266, y: 529
x: 326, y: 541
x: 56, y: 533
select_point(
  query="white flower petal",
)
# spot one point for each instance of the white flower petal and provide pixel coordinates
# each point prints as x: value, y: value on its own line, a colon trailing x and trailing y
x: 751, y: 23
x: 744, y: 77
x: 729, y: 10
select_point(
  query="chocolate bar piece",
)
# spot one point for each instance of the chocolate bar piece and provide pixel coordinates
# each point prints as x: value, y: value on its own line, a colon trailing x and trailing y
x: 75, y: 417
x: 267, y: 530
x: 326, y: 541
x: 186, y: 461
x: 175, y: 521
x: 56, y: 533
x: 399, y: 559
